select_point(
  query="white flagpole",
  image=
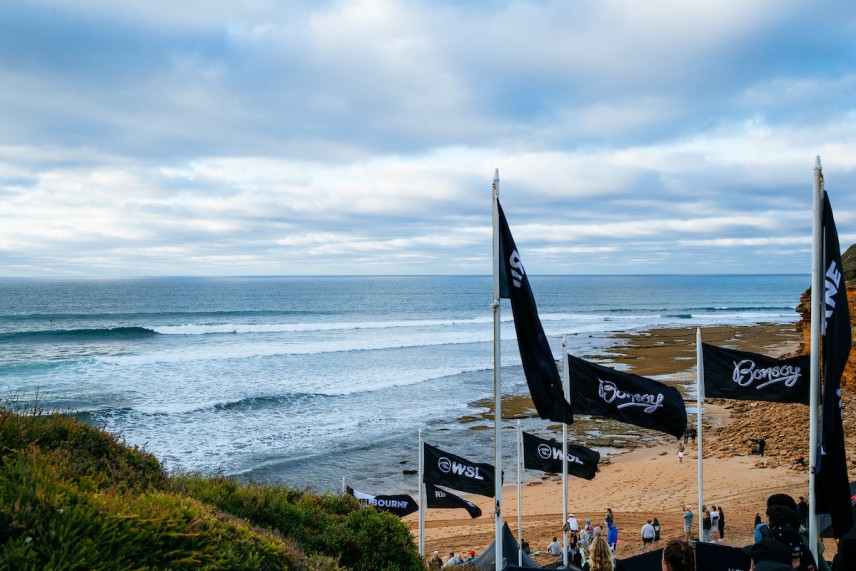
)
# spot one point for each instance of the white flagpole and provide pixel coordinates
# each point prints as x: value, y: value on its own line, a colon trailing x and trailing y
x: 699, y: 403
x: 421, y: 497
x: 567, y: 387
x: 816, y: 332
x: 497, y: 392
x: 519, y: 501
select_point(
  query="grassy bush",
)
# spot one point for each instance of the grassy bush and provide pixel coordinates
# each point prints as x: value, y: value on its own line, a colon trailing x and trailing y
x: 73, y: 497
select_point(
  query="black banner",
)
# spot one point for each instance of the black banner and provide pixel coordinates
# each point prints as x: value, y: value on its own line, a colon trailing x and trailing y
x: 732, y: 374
x: 831, y: 482
x: 437, y: 498
x: 636, y: 400
x: 544, y: 455
x: 715, y: 557
x: 540, y: 369
x: 454, y: 472
x: 400, y: 505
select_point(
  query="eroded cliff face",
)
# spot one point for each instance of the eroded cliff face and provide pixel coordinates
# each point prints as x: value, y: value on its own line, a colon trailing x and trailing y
x: 848, y: 379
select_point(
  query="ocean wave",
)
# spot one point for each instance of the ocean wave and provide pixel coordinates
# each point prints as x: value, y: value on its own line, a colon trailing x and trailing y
x: 72, y: 335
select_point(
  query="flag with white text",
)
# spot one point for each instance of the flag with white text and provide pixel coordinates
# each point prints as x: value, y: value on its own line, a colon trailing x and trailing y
x: 446, y: 469
x: 398, y: 504
x: 741, y: 375
x: 539, y: 366
x: 439, y: 498
x: 636, y: 400
x: 546, y: 456
x: 831, y: 480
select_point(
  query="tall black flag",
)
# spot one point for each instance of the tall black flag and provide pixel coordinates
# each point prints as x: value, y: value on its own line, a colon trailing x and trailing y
x: 542, y: 376
x: 546, y: 455
x: 629, y: 398
x: 831, y: 481
x: 438, y: 498
x: 741, y: 375
x: 457, y: 473
x: 399, y: 504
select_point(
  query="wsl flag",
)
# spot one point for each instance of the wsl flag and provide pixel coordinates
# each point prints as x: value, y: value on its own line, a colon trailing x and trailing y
x: 539, y: 367
x: 400, y: 505
x: 438, y: 498
x: 831, y: 481
x: 544, y: 455
x: 741, y: 375
x: 602, y: 391
x: 457, y: 473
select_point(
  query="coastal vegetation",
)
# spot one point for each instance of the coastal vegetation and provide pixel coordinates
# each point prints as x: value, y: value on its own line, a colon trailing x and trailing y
x: 74, y: 497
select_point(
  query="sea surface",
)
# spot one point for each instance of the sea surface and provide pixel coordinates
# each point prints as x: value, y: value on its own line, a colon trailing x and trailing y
x: 313, y: 381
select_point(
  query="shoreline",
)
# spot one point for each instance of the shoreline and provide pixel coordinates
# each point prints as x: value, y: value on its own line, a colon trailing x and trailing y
x: 644, y: 479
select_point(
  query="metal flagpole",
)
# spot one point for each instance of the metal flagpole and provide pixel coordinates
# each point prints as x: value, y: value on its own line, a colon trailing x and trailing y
x: 699, y: 403
x: 497, y: 393
x: 567, y: 386
x: 519, y: 502
x: 816, y: 332
x: 421, y: 497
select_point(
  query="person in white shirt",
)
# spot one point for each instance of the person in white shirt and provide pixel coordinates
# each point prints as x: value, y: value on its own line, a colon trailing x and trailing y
x: 648, y: 534
x: 572, y: 524
x: 555, y: 548
x: 452, y: 561
x: 714, y: 523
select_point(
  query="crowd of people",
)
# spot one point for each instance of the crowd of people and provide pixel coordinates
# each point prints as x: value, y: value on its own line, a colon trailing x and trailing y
x: 780, y: 541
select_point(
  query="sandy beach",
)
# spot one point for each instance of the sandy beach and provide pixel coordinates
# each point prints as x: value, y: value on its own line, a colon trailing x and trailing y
x: 647, y: 481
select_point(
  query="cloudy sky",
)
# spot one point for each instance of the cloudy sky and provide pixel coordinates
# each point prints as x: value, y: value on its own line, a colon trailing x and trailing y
x: 208, y: 137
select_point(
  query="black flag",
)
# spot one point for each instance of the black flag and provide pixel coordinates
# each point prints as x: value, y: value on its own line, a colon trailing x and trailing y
x: 629, y: 398
x: 400, y: 505
x: 831, y: 481
x: 732, y: 374
x: 542, y: 376
x: 545, y: 455
x: 438, y: 498
x: 457, y: 473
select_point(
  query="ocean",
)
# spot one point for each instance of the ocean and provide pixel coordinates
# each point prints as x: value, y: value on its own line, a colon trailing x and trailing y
x: 314, y: 380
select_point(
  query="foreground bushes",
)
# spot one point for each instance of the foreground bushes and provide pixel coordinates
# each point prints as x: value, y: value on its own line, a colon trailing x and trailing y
x: 72, y: 497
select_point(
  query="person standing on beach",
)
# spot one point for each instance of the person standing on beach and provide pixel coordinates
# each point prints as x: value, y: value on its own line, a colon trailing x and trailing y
x: 680, y: 453
x: 648, y: 534
x: 612, y: 535
x: 721, y: 528
x: 656, y: 525
x: 688, y: 522
x: 573, y: 526
x: 609, y: 516
x: 714, y: 523
x: 705, y: 524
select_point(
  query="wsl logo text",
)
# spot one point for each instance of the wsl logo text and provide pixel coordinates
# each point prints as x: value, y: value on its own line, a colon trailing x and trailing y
x: 447, y: 466
x: 831, y: 285
x: 547, y: 452
x: 516, y: 268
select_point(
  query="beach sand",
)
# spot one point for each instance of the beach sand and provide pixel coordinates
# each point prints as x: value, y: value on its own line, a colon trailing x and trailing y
x: 644, y: 482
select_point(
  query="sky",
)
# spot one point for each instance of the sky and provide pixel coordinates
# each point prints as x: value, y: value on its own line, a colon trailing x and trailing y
x: 216, y: 138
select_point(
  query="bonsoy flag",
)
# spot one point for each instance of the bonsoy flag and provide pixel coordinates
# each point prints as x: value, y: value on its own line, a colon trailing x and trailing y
x: 740, y: 375
x: 400, y: 504
x: 539, y: 367
x: 546, y: 455
x: 438, y: 498
x: 831, y: 481
x: 636, y: 400
x: 457, y: 473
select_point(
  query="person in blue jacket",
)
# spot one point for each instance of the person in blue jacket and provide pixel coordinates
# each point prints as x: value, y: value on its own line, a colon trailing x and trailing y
x: 612, y: 535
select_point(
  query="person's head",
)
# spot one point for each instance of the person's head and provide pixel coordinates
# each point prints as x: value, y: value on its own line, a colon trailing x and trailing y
x: 650, y: 520
x: 597, y: 532
x: 436, y: 553
x: 713, y: 508
x: 778, y: 515
x: 555, y: 538
x: 769, y: 549
x: 656, y: 521
x: 600, y: 556
x: 782, y: 500
x: 678, y: 556
x: 789, y: 537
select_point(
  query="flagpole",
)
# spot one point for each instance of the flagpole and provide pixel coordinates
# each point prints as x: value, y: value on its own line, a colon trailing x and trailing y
x: 567, y: 387
x: 497, y: 392
x: 699, y: 403
x: 421, y: 497
x: 519, y: 503
x: 814, y: 351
